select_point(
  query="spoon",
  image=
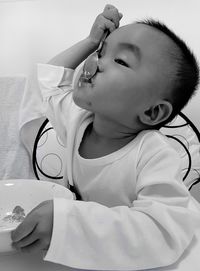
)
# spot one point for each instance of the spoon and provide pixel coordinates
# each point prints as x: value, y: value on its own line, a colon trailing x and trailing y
x: 90, y: 64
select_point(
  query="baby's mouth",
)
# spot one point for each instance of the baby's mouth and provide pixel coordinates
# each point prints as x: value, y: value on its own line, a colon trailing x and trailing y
x: 83, y: 80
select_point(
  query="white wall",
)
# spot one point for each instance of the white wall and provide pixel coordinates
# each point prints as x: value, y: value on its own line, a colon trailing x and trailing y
x: 35, y: 30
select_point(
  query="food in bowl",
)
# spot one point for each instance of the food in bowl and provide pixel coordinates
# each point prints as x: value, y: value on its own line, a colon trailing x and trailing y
x: 16, y: 216
x: 18, y: 198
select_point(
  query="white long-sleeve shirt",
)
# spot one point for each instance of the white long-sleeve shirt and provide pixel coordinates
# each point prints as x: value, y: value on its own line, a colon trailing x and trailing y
x: 135, y: 212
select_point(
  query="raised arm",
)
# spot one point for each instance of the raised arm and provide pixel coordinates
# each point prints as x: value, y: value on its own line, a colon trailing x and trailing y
x: 55, y: 84
x: 73, y: 56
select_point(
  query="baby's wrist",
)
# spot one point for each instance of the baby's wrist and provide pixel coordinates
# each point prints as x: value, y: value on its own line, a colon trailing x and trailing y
x: 92, y: 42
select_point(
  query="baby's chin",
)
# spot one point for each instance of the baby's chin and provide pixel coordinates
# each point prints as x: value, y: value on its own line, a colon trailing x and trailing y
x: 80, y: 100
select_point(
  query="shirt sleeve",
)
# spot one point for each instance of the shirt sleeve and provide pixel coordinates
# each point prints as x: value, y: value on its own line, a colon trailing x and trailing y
x: 55, y: 83
x: 154, y: 232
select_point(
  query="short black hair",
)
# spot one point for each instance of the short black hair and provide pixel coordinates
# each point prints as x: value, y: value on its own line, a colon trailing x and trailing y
x: 187, y: 69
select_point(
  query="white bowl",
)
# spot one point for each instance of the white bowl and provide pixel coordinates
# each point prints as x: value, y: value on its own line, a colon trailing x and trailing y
x: 25, y: 194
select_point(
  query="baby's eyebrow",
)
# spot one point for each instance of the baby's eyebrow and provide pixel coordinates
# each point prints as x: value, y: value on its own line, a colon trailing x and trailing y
x: 131, y: 47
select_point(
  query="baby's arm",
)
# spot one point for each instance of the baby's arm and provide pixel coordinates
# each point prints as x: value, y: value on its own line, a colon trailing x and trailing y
x: 35, y: 231
x: 72, y: 57
x: 152, y: 233
x: 55, y: 80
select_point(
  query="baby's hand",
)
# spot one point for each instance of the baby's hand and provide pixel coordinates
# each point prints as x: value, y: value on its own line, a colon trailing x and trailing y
x: 34, y: 233
x: 107, y: 20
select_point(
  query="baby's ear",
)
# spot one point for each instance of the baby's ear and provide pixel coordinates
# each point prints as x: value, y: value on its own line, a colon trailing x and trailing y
x: 156, y: 113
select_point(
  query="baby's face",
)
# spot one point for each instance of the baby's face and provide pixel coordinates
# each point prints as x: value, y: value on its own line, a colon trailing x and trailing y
x: 133, y: 74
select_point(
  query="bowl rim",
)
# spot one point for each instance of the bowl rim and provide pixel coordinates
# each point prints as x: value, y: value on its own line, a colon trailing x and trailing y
x: 10, y: 229
x: 16, y: 181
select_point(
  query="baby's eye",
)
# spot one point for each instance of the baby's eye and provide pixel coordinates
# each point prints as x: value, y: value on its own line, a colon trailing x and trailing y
x: 121, y: 62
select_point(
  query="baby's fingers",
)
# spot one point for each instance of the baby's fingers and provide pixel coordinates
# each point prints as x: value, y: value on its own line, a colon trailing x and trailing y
x: 26, y: 241
x: 112, y: 13
x: 23, y: 230
x: 33, y: 247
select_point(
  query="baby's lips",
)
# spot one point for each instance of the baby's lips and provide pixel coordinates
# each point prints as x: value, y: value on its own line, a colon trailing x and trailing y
x: 83, y: 79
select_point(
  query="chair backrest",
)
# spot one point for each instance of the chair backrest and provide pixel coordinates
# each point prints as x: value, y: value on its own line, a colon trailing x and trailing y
x: 185, y: 138
x: 49, y: 152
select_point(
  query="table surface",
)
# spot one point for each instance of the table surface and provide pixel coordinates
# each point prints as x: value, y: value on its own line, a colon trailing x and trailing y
x: 32, y: 262
x: 28, y: 262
